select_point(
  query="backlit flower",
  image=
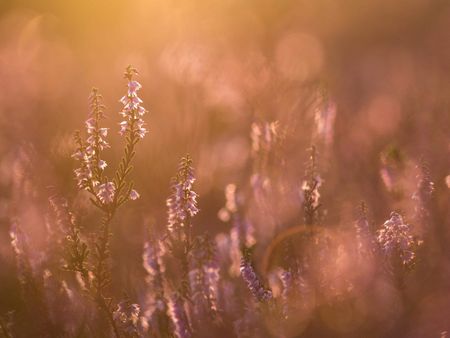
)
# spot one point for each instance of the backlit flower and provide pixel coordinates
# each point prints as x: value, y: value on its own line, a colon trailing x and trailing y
x: 132, y: 112
x: 106, y: 192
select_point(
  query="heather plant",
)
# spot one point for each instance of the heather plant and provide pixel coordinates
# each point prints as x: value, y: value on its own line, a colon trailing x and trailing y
x: 194, y: 285
x: 155, y: 311
x: 398, y: 246
x: 107, y: 195
x: 203, y: 280
x: 252, y: 280
x: 288, y: 258
x: 182, y: 206
x: 423, y: 194
x: 310, y: 191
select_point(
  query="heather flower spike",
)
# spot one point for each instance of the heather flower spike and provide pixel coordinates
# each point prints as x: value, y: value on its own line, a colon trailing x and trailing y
x: 182, y: 203
x: 204, y: 279
x: 182, y: 206
x: 423, y: 194
x: 397, y: 242
x: 365, y: 239
x: 179, y: 317
x: 106, y: 192
x: 90, y: 173
x: 107, y: 195
x: 155, y: 310
x: 133, y: 125
x: 309, y: 192
x: 133, y: 128
x: 253, y: 282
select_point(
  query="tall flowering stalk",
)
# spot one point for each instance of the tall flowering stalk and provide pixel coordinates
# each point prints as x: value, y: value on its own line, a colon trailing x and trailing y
x: 286, y: 293
x: 293, y: 284
x: 31, y: 285
x: 267, y: 139
x: 242, y: 231
x: 310, y: 191
x: 106, y: 194
x: 267, y: 147
x: 133, y: 128
x: 233, y: 211
x: 76, y: 249
x: 423, y: 194
x: 89, y: 174
x: 182, y: 206
x: 155, y: 312
x: 398, y: 245
x: 182, y: 203
x: 204, y: 279
x: 324, y: 118
x: 19, y: 246
x: 365, y: 239
x: 179, y: 317
x: 252, y: 280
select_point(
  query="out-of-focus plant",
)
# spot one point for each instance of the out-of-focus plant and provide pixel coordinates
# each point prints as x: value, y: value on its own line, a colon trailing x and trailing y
x: 155, y: 304
x: 310, y: 191
x: 398, y: 245
x: 253, y: 282
x: 182, y: 206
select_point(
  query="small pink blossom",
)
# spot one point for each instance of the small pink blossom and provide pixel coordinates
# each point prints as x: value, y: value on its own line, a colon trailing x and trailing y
x: 134, y: 195
x: 133, y: 87
x: 102, y: 164
x: 106, y: 192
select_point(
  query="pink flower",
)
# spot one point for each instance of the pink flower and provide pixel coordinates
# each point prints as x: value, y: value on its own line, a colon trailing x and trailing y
x: 89, y: 174
x: 106, y: 192
x: 132, y: 109
x: 123, y: 127
x: 182, y: 203
x: 133, y: 87
x: 102, y: 164
x: 134, y: 195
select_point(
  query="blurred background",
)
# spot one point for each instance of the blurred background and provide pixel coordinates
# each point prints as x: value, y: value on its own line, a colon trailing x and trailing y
x: 367, y: 82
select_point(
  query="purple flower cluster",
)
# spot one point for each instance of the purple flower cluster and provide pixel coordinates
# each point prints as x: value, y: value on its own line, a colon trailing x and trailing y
x: 253, y: 282
x: 132, y: 112
x: 309, y: 190
x: 395, y: 238
x: 365, y: 239
x: 153, y: 265
x: 106, y: 192
x: 179, y: 317
x: 294, y: 291
x: 422, y: 196
x: 193, y: 285
x: 127, y: 317
x: 182, y: 203
x: 88, y: 175
x: 204, y: 279
x: 155, y: 306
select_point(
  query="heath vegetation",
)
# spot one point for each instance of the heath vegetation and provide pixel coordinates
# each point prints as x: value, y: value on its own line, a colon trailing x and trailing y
x: 262, y: 169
